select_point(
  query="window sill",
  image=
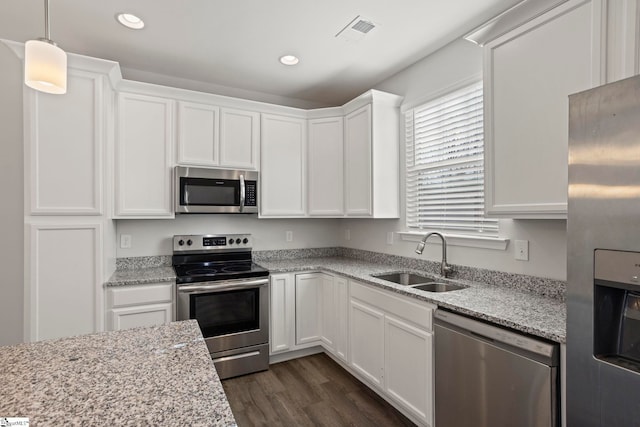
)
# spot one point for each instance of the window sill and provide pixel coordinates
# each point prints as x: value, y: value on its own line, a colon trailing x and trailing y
x: 495, y: 243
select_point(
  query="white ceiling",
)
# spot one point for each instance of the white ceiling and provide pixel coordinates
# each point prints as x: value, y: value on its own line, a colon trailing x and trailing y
x: 237, y: 43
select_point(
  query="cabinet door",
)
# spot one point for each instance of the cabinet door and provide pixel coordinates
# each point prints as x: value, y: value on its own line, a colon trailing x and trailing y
x: 308, y: 295
x: 239, y: 138
x: 198, y: 134
x: 342, y: 317
x: 64, y: 291
x: 143, y: 156
x: 282, y: 171
x: 140, y: 316
x: 408, y: 367
x: 65, y: 138
x: 367, y: 341
x: 529, y: 74
x: 282, y: 334
x: 326, y: 167
x: 357, y: 162
x: 328, y: 312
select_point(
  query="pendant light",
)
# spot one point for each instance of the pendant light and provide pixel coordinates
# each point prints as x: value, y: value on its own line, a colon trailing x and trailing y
x: 45, y: 64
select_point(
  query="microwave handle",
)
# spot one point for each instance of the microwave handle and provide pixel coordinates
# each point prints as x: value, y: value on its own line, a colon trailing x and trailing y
x: 242, y: 193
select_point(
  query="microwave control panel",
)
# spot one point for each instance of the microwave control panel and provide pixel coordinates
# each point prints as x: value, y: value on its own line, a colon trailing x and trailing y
x: 251, y: 196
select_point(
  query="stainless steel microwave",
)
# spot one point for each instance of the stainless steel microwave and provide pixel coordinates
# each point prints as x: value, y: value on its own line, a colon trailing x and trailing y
x: 208, y: 190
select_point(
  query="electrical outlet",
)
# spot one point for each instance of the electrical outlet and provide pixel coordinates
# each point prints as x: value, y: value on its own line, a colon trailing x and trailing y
x: 522, y: 250
x: 289, y: 236
x: 347, y: 234
x: 125, y: 241
x: 390, y: 238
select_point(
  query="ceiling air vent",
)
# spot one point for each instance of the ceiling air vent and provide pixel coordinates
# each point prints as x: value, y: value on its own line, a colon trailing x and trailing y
x: 356, y: 29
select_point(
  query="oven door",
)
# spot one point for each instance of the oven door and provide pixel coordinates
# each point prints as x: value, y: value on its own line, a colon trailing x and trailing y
x: 231, y: 314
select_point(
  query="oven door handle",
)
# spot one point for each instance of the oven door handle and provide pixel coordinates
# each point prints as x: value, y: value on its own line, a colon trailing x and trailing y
x: 229, y: 285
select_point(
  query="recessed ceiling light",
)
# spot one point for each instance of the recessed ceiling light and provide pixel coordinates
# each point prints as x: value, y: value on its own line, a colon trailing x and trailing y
x: 130, y: 21
x: 289, y: 60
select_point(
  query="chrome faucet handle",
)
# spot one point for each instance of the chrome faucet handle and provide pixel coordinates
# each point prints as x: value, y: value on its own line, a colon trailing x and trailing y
x: 446, y: 269
x: 420, y: 248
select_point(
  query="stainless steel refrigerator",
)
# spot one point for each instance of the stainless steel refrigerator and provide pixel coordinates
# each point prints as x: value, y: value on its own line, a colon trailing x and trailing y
x: 603, y: 249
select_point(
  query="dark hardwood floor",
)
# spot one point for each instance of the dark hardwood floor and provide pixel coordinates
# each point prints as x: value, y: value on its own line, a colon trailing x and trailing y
x: 310, y: 391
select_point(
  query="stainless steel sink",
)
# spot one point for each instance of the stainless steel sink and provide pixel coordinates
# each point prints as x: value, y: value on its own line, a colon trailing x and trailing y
x: 406, y: 279
x: 439, y: 287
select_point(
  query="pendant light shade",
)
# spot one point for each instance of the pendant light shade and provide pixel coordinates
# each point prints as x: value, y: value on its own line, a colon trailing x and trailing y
x: 45, y: 64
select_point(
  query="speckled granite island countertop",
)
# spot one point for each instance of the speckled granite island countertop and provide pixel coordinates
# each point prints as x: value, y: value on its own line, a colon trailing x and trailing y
x: 535, y: 314
x: 139, y: 377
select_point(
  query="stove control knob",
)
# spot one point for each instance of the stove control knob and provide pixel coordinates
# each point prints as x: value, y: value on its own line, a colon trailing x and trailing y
x: 245, y: 240
x: 189, y: 242
x: 231, y: 241
x: 180, y: 242
x: 238, y: 241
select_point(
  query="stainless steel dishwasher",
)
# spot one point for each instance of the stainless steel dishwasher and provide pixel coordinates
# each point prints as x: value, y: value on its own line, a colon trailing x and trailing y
x: 488, y: 376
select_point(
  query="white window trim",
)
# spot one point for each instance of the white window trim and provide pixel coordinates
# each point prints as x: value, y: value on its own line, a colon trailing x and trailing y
x: 470, y: 241
x: 463, y: 240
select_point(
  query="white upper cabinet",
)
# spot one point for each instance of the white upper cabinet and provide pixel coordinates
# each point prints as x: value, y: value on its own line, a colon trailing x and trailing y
x: 65, y: 147
x: 371, y: 156
x: 239, y: 138
x: 198, y: 134
x: 282, y: 170
x: 358, y: 162
x: 209, y: 135
x: 529, y: 73
x: 143, y: 156
x: 326, y: 167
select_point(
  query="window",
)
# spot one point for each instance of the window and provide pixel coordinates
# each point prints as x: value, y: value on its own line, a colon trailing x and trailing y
x: 445, y: 164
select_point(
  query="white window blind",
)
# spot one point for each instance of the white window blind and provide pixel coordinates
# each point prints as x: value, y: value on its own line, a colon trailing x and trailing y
x: 445, y: 165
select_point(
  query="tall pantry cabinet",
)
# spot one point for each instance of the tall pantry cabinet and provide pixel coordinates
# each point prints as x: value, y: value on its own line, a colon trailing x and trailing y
x: 69, y: 238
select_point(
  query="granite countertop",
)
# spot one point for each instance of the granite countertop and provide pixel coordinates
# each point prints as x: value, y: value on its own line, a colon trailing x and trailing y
x: 160, y: 375
x: 528, y: 312
x: 142, y: 275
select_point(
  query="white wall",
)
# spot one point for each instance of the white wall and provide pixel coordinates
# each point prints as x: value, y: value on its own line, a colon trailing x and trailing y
x: 154, y: 237
x: 12, y: 212
x: 457, y: 62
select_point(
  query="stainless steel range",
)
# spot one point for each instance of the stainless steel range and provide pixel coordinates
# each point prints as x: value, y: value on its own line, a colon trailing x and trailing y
x: 228, y: 294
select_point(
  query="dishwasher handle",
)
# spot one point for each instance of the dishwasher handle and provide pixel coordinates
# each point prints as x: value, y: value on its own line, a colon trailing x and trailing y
x: 497, y: 334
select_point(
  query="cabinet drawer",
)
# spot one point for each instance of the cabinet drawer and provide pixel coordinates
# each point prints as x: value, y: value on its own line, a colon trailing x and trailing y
x: 418, y: 312
x: 142, y: 294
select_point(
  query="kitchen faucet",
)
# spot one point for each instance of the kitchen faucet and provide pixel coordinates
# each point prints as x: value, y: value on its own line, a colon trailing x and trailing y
x: 444, y: 268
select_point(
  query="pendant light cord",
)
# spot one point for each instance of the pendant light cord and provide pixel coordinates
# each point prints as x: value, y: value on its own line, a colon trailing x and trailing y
x: 46, y: 20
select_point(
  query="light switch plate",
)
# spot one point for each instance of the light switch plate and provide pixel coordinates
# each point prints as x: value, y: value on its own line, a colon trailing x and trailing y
x: 347, y: 234
x: 522, y: 250
x: 289, y: 236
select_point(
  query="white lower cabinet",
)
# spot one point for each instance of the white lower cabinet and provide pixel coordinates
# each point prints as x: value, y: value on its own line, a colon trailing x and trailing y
x: 308, y: 296
x: 139, y: 305
x: 384, y: 338
x: 307, y: 310
x: 64, y: 263
x: 367, y: 341
x: 392, y: 348
x: 282, y: 334
x: 408, y: 366
x: 341, y: 312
